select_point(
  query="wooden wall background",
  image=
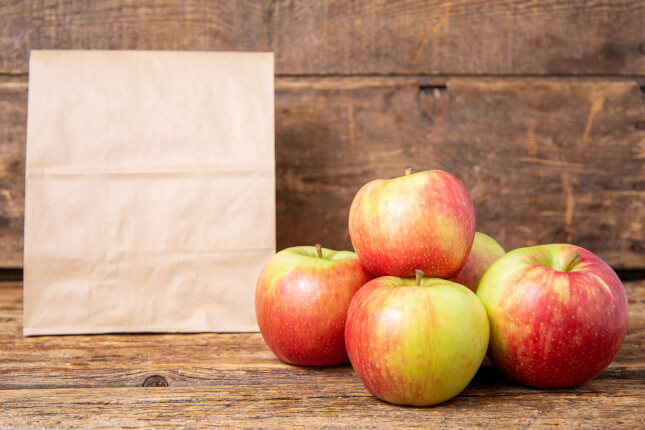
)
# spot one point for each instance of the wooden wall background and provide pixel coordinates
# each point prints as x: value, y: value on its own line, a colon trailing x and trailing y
x: 537, y: 106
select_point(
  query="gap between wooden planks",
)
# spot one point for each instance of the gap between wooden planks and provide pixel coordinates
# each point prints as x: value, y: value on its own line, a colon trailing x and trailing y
x: 19, y: 82
x: 234, y: 380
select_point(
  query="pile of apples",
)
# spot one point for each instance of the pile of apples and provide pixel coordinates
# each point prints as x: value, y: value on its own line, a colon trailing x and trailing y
x: 425, y: 297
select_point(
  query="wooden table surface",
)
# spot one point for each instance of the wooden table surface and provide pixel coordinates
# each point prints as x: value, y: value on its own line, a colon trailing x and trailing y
x: 233, y: 380
x: 537, y: 107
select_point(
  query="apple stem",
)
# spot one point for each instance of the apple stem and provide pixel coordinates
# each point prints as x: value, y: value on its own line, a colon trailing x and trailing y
x: 319, y: 250
x: 408, y: 171
x: 571, y: 262
x: 419, y: 274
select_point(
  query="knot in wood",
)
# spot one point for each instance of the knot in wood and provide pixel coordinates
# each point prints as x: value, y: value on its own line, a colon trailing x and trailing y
x: 155, y: 381
x: 641, y: 48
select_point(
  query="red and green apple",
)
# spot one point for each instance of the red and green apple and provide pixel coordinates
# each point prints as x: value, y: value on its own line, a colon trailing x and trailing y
x: 424, y: 220
x: 484, y: 252
x: 558, y: 314
x: 416, y: 341
x: 301, y: 303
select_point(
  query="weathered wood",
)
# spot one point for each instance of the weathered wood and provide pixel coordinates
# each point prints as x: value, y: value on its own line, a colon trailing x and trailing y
x: 213, y: 359
x: 13, y: 125
x: 271, y: 407
x: 364, y: 37
x: 545, y: 160
x: 234, y: 380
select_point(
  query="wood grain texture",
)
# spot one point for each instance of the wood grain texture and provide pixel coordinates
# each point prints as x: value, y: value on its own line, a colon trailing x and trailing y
x: 272, y: 407
x: 13, y: 126
x: 231, y: 380
x: 545, y: 160
x: 334, y: 37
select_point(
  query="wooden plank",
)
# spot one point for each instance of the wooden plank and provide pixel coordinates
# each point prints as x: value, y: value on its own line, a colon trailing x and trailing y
x: 270, y: 407
x: 214, y: 359
x: 13, y: 126
x: 545, y: 160
x: 333, y: 37
x: 231, y: 380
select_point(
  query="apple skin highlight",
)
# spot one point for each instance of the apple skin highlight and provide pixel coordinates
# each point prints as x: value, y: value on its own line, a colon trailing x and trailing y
x: 423, y: 221
x: 553, y: 326
x: 301, y: 304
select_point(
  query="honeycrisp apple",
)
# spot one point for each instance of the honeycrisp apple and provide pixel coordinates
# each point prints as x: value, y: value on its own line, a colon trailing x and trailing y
x: 484, y: 252
x: 423, y: 221
x: 415, y: 342
x: 558, y: 314
x: 301, y: 303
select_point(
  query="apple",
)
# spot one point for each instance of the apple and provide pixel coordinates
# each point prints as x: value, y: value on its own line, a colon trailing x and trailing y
x: 301, y: 302
x: 415, y: 341
x: 484, y: 252
x: 558, y: 314
x: 423, y: 221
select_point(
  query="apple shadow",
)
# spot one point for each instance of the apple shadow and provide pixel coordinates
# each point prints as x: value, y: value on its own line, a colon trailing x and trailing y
x: 317, y: 369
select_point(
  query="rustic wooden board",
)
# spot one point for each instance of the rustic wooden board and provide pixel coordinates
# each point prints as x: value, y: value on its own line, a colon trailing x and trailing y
x: 13, y: 122
x: 546, y: 160
x: 234, y: 380
x: 334, y: 37
x: 272, y: 407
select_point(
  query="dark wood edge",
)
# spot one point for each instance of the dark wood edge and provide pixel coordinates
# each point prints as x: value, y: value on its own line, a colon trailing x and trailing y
x: 10, y: 275
x: 16, y: 274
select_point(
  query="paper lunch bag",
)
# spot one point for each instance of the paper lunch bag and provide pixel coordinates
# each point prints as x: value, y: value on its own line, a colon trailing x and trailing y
x: 150, y: 190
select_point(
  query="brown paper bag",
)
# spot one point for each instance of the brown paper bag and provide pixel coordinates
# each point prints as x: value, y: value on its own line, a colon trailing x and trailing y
x: 150, y: 190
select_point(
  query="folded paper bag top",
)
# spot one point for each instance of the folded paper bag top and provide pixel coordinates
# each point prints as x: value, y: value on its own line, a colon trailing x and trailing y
x: 150, y: 190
